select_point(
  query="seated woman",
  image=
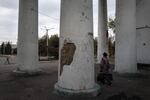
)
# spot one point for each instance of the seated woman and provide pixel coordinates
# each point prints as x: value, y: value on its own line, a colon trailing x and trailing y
x: 104, y: 75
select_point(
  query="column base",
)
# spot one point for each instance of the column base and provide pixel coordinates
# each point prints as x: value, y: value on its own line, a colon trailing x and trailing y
x: 26, y: 72
x: 68, y: 92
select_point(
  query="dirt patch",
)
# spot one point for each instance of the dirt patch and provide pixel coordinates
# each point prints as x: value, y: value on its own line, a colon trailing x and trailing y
x: 123, y: 96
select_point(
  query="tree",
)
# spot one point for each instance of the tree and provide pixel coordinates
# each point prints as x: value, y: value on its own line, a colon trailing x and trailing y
x: 54, y: 41
x: 111, y: 42
x: 53, y: 46
x: 14, y: 51
x: 42, y: 46
x: 3, y: 48
x: 111, y: 24
x: 8, y: 48
x: 110, y: 47
x: 113, y: 48
x: 95, y: 46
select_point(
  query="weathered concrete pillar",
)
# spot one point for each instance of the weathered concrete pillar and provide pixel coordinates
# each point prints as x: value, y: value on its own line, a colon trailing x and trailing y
x: 143, y: 30
x: 27, y: 55
x: 125, y: 55
x: 76, y: 65
x: 102, y: 29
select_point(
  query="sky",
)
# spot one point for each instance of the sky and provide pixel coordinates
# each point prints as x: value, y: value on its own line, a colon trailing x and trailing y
x: 49, y: 15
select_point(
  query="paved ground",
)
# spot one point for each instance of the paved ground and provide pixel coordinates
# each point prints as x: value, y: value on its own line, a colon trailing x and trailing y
x: 42, y: 87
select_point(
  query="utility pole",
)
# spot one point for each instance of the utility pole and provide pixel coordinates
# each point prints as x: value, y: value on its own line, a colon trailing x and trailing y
x: 47, y: 37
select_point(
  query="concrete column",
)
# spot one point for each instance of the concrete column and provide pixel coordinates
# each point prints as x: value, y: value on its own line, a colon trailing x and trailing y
x: 76, y: 65
x: 102, y: 29
x: 27, y: 55
x: 125, y: 55
x: 143, y: 30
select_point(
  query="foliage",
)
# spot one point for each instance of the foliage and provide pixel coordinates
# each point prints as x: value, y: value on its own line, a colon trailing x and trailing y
x: 95, y: 46
x: 15, y: 51
x: 8, y: 48
x: 111, y: 47
x: 111, y: 44
x: 54, y: 41
x: 53, y: 46
x: 2, y: 48
x: 42, y: 46
x: 111, y: 24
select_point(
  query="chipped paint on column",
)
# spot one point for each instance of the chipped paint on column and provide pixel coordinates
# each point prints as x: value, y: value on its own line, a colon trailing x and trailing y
x: 67, y: 54
x: 27, y: 57
x: 102, y: 30
x: 125, y: 51
x: 76, y: 27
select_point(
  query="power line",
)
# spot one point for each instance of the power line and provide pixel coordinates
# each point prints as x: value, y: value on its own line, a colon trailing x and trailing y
x: 44, y: 14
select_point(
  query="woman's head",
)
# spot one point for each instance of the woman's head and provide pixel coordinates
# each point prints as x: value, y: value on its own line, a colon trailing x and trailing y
x: 105, y: 54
